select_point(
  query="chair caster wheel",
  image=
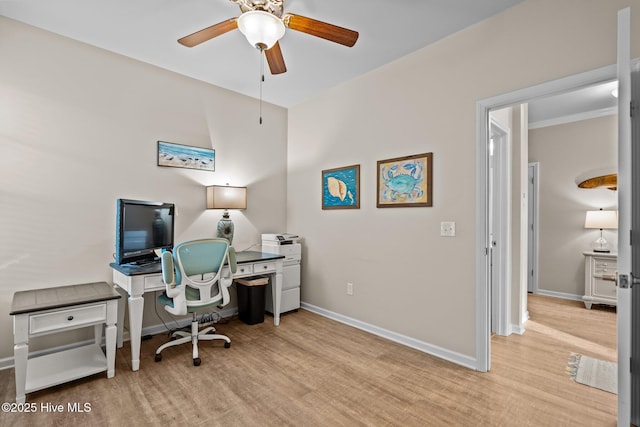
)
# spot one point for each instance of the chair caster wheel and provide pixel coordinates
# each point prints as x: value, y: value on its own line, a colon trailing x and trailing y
x: 158, y: 357
x: 197, y: 361
x: 227, y: 344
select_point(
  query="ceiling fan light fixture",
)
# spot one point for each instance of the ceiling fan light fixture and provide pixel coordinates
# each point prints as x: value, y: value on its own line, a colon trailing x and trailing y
x: 262, y: 29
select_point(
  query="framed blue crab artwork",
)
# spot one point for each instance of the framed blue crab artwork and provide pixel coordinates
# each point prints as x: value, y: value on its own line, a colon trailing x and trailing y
x: 405, y: 181
x: 341, y: 188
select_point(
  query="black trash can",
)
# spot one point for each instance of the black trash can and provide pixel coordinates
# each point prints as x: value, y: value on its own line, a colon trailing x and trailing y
x: 251, y: 299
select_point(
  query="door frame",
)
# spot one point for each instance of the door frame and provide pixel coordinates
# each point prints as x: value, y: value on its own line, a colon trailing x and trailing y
x: 533, y: 200
x: 483, y: 107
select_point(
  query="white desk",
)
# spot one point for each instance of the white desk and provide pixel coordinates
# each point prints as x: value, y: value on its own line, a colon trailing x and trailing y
x: 137, y: 282
x: 50, y: 310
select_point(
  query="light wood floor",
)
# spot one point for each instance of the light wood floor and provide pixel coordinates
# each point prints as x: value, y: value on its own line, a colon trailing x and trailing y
x: 311, y: 371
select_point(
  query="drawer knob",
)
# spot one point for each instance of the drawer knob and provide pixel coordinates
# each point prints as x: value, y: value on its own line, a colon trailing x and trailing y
x: 264, y: 266
x: 70, y: 318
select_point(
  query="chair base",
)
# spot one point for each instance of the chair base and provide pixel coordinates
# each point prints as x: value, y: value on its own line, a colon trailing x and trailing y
x: 194, y: 337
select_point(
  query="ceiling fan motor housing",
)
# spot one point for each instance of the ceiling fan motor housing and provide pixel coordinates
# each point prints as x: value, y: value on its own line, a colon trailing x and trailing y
x: 274, y: 7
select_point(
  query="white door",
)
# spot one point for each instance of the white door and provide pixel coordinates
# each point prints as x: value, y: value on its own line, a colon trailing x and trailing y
x: 625, y: 277
x: 499, y: 218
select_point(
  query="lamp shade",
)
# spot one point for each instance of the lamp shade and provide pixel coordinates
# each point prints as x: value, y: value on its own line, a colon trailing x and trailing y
x: 262, y: 29
x: 226, y: 197
x: 601, y: 219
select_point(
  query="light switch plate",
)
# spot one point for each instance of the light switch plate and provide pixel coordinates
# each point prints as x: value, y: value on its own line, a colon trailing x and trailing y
x: 448, y: 228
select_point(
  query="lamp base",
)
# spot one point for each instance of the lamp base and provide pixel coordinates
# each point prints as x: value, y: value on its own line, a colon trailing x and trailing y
x: 225, y: 228
x: 600, y: 245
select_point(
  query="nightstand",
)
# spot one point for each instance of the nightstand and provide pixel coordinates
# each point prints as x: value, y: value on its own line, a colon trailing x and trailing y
x: 600, y: 278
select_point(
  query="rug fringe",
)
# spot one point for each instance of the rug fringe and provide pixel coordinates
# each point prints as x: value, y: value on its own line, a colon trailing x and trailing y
x: 572, y: 365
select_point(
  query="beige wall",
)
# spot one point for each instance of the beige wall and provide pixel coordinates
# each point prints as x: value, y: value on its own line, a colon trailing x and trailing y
x: 78, y: 129
x: 70, y: 113
x: 406, y: 277
x: 566, y: 153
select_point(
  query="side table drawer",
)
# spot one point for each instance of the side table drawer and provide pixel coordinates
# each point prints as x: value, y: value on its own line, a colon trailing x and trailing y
x: 605, y: 288
x: 73, y: 317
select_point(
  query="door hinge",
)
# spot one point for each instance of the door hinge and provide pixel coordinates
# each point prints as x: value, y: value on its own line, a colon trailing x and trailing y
x: 631, y: 108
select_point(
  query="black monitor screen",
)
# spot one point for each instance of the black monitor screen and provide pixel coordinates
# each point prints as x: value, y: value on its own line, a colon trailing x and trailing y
x: 142, y: 227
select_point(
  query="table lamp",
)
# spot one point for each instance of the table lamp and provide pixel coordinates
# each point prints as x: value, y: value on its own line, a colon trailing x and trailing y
x: 601, y: 219
x: 226, y: 197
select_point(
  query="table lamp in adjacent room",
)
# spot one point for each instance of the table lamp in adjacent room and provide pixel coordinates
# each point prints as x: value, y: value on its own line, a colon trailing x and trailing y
x: 226, y: 197
x: 601, y: 219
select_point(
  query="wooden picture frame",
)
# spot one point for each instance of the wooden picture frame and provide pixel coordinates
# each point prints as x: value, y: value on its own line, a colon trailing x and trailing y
x: 341, y: 188
x: 186, y: 156
x: 405, y: 181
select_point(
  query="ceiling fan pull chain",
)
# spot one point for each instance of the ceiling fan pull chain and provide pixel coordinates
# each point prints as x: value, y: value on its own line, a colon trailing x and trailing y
x: 261, y: 80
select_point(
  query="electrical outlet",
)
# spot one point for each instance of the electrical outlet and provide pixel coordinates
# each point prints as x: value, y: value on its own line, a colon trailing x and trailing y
x: 448, y: 228
x: 349, y: 288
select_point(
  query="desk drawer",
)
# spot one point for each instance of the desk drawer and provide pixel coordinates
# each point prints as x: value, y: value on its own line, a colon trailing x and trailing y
x: 264, y: 267
x: 244, y: 269
x: 71, y: 318
x: 153, y: 282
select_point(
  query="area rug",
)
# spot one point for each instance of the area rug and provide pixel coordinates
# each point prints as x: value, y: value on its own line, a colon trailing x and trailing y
x: 594, y: 372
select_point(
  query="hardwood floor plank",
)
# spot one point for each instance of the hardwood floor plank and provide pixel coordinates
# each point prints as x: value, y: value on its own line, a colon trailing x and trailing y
x: 313, y: 371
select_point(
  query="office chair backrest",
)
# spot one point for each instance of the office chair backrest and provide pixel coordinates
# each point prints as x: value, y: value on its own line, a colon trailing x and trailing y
x: 197, y: 265
x: 200, y: 256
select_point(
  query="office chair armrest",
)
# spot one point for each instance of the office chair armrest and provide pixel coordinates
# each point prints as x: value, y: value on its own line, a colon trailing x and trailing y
x: 233, y: 266
x: 225, y: 282
x: 169, y: 275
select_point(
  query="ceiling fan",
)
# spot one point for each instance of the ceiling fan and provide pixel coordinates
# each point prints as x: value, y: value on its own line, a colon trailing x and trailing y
x: 263, y: 23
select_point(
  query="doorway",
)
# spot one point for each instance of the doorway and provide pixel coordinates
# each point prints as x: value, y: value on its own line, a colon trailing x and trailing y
x: 484, y: 275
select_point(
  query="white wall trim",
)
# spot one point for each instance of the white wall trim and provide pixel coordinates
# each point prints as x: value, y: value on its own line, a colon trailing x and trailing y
x: 575, y: 117
x: 562, y: 295
x: 451, y: 356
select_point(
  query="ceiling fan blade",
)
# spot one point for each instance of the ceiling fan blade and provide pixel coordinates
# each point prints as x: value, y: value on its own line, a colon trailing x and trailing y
x: 208, y: 33
x: 330, y: 32
x: 275, y: 59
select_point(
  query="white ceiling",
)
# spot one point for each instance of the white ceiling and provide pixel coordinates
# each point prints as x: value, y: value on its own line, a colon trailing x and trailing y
x: 590, y: 102
x: 147, y: 30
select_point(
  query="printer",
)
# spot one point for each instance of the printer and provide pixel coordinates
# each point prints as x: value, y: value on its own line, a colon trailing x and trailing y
x: 280, y: 239
x: 286, y: 244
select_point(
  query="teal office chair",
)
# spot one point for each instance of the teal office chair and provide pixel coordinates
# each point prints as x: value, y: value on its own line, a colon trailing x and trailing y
x: 192, y: 276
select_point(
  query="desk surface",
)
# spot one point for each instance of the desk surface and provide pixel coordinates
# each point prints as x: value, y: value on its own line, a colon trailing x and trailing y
x: 63, y: 296
x: 241, y: 258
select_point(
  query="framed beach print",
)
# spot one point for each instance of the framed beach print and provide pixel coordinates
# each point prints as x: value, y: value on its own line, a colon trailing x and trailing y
x: 185, y: 156
x: 341, y: 188
x: 405, y: 181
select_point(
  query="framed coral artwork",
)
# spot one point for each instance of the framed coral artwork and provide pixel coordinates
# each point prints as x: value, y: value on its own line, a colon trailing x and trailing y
x: 341, y: 188
x: 405, y: 181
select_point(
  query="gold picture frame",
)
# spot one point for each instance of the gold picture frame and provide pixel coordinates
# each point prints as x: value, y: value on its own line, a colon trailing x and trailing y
x: 405, y: 181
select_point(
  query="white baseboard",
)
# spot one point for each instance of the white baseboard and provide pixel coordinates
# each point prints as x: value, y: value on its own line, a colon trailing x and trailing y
x: 559, y: 295
x: 451, y: 356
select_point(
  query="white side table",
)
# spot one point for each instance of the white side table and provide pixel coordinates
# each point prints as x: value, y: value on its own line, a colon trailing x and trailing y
x: 50, y: 310
x: 600, y: 278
